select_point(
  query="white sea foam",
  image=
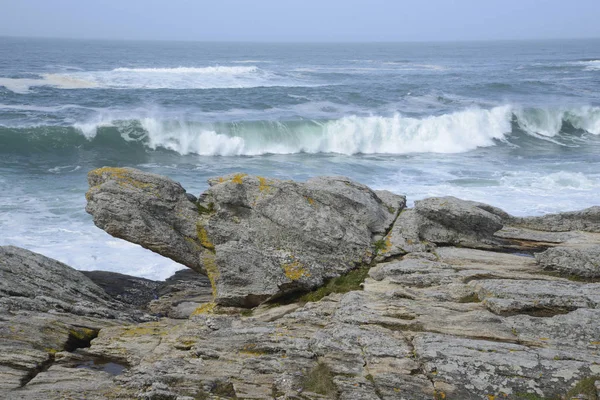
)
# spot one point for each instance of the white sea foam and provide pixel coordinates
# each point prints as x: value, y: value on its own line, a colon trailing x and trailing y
x: 556, y: 181
x: 213, y: 77
x: 26, y: 107
x: 591, y: 65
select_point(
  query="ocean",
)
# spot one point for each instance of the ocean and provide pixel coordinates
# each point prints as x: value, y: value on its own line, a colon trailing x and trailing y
x: 512, y: 124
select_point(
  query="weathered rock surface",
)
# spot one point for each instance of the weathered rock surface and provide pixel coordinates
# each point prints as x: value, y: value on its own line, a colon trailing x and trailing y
x: 47, y: 307
x: 131, y: 290
x: 147, y: 209
x: 584, y: 220
x: 578, y: 261
x: 181, y: 294
x: 177, y: 297
x: 32, y: 282
x: 444, y: 221
x: 433, y: 321
x: 255, y: 238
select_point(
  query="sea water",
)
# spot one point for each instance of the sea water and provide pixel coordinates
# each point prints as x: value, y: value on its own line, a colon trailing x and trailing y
x: 512, y: 124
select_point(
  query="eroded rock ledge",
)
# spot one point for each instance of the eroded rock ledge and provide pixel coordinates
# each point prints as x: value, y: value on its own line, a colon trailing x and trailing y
x: 461, y: 301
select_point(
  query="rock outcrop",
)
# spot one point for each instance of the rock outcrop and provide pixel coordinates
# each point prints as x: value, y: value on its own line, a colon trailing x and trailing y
x: 443, y: 221
x: 584, y: 220
x: 47, y: 307
x: 583, y: 261
x: 255, y: 238
x: 454, y: 306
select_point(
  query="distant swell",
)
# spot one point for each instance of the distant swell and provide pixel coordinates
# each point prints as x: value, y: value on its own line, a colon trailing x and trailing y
x: 448, y: 133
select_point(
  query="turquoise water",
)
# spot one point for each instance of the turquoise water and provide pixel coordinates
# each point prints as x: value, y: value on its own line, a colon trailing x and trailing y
x: 513, y: 124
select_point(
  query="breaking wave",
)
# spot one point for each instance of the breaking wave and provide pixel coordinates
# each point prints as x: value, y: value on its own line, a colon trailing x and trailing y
x: 455, y: 132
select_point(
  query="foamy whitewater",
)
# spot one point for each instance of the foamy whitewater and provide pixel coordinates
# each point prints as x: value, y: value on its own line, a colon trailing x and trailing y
x: 512, y: 124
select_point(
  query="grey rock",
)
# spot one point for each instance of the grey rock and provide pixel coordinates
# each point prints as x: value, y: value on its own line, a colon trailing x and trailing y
x: 128, y: 289
x: 147, y: 209
x: 579, y: 261
x: 255, y: 238
x: 443, y: 221
x: 47, y: 307
x: 181, y: 294
x: 461, y: 368
x: 32, y: 282
x: 542, y: 297
x: 404, y: 237
x: 271, y: 237
x: 414, y: 272
x: 583, y: 220
x: 458, y: 222
x: 524, y: 234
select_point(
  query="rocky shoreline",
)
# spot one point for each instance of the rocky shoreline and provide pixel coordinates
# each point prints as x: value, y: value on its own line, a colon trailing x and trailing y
x: 316, y: 290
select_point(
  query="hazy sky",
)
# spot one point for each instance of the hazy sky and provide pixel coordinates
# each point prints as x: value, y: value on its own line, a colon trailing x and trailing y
x: 302, y: 20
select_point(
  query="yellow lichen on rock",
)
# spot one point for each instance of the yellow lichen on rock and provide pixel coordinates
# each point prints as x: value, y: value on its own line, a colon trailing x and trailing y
x: 212, y: 271
x: 203, y: 236
x: 237, y: 178
x: 150, y: 328
x: 295, y: 270
x: 263, y: 184
x: 207, y: 308
x: 122, y: 176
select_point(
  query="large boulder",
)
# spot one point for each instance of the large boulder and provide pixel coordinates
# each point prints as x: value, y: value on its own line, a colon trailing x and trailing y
x: 443, y: 221
x: 255, y: 238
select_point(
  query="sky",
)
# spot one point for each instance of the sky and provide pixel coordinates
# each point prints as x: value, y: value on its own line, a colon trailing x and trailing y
x: 301, y: 20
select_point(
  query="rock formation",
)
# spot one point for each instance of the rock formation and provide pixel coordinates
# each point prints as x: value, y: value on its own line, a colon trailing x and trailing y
x: 47, y: 307
x: 255, y: 238
x: 461, y: 300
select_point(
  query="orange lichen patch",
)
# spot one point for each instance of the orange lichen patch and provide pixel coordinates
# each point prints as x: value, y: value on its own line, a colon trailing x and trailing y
x: 203, y: 236
x: 439, y: 395
x: 491, y: 397
x: 295, y: 270
x: 207, y: 308
x: 212, y: 271
x: 122, y: 176
x: 263, y: 184
x: 310, y: 200
x: 237, y: 178
x: 388, y: 244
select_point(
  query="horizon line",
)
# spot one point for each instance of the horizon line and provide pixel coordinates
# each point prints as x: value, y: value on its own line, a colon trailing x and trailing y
x: 3, y: 36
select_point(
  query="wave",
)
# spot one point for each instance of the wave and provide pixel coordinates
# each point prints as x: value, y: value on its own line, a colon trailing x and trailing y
x: 590, y: 65
x: 214, y: 77
x: 456, y: 132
